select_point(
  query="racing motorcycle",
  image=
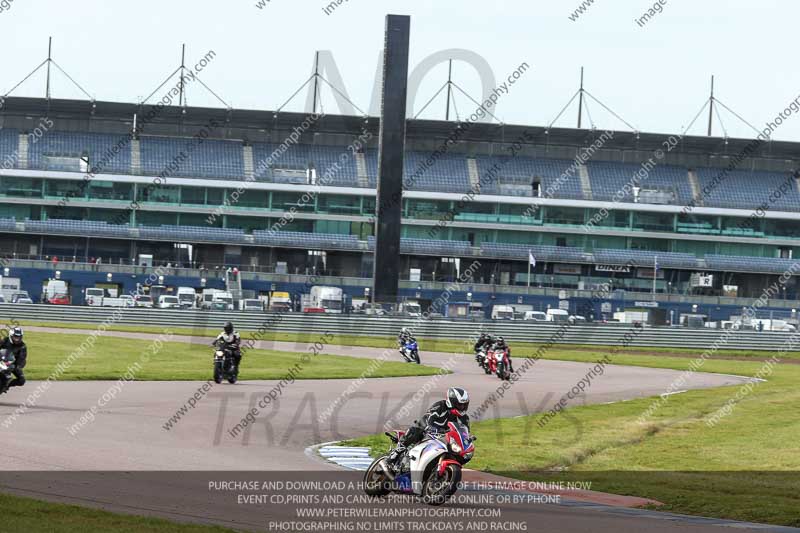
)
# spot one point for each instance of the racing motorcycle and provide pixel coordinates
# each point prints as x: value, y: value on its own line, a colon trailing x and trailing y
x: 224, y: 368
x: 483, y: 360
x: 501, y: 364
x: 431, y: 469
x: 410, y: 351
x: 6, y: 368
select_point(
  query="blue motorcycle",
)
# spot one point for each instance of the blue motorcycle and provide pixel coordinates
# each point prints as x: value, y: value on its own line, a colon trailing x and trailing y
x: 410, y: 351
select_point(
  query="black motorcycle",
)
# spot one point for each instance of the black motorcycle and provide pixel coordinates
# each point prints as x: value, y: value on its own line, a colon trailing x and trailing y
x: 6, y: 369
x: 224, y: 365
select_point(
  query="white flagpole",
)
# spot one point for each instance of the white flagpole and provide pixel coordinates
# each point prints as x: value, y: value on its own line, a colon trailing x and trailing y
x: 655, y: 271
x: 528, y: 291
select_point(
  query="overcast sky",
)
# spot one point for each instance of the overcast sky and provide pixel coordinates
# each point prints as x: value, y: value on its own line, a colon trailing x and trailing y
x: 655, y: 77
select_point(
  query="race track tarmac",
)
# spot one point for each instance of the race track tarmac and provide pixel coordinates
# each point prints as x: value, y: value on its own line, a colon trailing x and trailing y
x: 131, y: 433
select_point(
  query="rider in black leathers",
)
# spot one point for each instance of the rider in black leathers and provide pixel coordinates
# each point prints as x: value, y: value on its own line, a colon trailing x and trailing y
x: 501, y: 343
x: 484, y: 341
x: 14, y: 344
x: 230, y: 338
x: 452, y: 409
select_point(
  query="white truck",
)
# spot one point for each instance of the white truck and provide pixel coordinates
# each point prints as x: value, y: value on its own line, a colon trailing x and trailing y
x: 187, y: 297
x: 251, y: 304
x: 56, y: 292
x: 536, y: 316
x: 167, y: 301
x: 557, y: 315
x: 323, y: 299
x: 217, y: 299
x: 93, y: 296
x: 280, y: 302
x: 97, y: 297
x: 9, y: 286
x: 411, y: 308
x: 502, y: 312
x: 21, y: 297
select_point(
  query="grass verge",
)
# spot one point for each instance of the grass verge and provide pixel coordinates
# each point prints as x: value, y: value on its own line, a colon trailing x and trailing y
x: 743, y: 468
x: 111, y: 357
x: 430, y: 345
x: 35, y: 516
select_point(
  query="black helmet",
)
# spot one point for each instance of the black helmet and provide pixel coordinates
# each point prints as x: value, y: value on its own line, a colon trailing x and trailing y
x: 228, y: 328
x: 16, y: 334
x: 457, y: 400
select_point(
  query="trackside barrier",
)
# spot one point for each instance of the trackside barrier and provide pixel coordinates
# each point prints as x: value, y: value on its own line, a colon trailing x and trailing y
x: 519, y: 331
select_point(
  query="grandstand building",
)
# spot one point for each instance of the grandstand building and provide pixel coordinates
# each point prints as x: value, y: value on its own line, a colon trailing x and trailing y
x: 696, y: 220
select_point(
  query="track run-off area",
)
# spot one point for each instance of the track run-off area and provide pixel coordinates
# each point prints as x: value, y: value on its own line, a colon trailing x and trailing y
x: 151, y: 427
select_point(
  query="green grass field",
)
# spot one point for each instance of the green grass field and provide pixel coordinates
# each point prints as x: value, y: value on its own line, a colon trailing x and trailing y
x: 430, y: 345
x: 34, y: 516
x: 110, y: 358
x: 744, y: 468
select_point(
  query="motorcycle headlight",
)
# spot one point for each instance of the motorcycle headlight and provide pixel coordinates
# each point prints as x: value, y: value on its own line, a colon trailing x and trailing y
x: 455, y: 446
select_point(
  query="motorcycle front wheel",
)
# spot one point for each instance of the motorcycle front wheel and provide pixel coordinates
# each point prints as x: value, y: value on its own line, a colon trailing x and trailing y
x: 217, y: 373
x: 436, y: 489
x: 376, y: 483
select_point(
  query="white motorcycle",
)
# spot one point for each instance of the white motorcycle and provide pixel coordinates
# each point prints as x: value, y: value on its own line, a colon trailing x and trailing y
x: 431, y: 469
x: 6, y: 369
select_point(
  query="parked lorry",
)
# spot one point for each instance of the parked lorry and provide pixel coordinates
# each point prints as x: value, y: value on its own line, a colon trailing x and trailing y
x: 322, y: 299
x: 280, y: 302
x: 251, y: 304
x: 56, y: 292
x: 411, y: 308
x: 167, y: 301
x: 99, y: 297
x: 557, y: 315
x: 217, y: 299
x: 187, y: 297
x: 9, y: 286
x: 502, y: 312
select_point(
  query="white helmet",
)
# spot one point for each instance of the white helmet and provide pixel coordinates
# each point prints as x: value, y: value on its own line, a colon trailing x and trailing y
x: 458, y: 400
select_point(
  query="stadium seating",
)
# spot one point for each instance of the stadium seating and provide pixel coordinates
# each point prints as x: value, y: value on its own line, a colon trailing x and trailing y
x: 8, y: 224
x: 744, y: 189
x: 211, y: 159
x: 192, y: 234
x: 750, y: 264
x: 59, y: 150
x: 9, y: 142
x: 335, y: 166
x: 447, y: 174
x: 608, y: 179
x: 77, y: 227
x: 542, y: 253
x: 643, y: 258
x: 223, y: 159
x: 311, y: 241
x: 516, y: 176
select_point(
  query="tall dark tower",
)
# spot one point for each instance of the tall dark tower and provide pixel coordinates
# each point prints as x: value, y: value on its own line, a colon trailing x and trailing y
x: 386, y: 276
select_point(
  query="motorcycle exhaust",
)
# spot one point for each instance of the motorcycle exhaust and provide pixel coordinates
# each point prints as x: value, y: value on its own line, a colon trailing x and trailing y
x: 386, y: 469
